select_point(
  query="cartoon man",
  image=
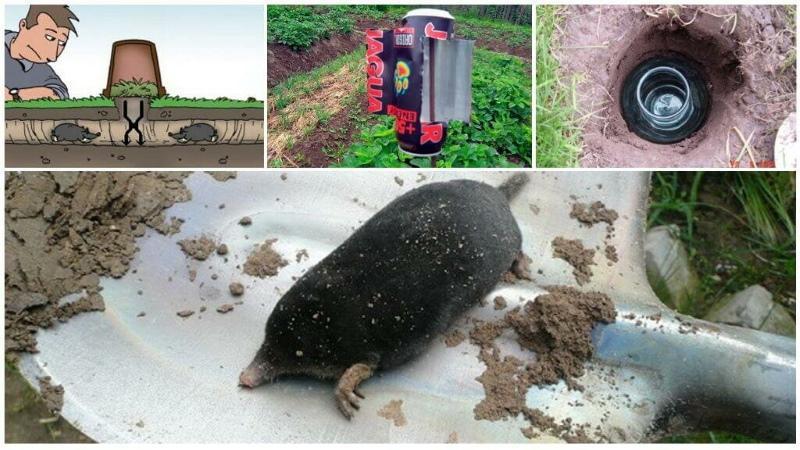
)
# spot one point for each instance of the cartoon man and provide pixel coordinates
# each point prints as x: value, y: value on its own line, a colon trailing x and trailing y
x: 42, y: 36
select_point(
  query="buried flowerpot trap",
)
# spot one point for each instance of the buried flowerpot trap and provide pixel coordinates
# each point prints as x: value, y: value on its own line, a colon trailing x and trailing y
x: 134, y: 111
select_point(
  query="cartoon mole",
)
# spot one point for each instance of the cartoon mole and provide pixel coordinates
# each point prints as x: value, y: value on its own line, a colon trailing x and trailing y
x: 195, y: 133
x: 398, y: 282
x: 69, y: 132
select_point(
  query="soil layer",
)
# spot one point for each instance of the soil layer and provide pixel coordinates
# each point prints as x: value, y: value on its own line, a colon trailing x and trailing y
x: 84, y: 156
x: 741, y: 51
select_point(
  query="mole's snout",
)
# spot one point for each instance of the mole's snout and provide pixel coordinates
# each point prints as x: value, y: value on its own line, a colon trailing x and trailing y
x: 254, y: 375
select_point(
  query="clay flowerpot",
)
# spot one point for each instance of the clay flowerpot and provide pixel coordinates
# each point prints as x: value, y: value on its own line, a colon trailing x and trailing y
x: 134, y: 60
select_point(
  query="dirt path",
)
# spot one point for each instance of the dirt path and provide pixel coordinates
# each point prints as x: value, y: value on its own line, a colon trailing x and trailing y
x: 751, y: 85
x: 283, y: 62
x: 300, y: 122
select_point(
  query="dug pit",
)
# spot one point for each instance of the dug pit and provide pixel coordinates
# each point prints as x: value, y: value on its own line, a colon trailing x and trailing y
x: 739, y: 52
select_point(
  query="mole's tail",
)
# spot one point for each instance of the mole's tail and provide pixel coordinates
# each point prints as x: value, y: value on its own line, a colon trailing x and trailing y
x: 512, y: 186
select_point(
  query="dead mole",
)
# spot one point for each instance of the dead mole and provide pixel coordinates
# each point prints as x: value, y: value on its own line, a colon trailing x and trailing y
x: 398, y: 282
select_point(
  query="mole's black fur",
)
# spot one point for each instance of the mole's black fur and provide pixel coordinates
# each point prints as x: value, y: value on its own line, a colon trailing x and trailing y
x: 398, y: 282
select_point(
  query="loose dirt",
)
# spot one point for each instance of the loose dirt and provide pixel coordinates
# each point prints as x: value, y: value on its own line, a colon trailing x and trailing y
x: 393, y: 411
x: 454, y: 338
x: 236, y: 289
x: 52, y: 395
x: 590, y: 214
x: 579, y: 257
x: 741, y: 50
x: 556, y: 326
x: 264, y: 261
x: 198, y: 248
x: 66, y: 229
x: 225, y: 308
x: 221, y: 175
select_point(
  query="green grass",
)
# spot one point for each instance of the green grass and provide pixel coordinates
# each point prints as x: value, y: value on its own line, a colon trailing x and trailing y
x: 87, y: 102
x: 161, y: 102
x: 221, y: 102
x: 134, y: 88
x: 740, y: 221
x: 710, y: 437
x: 500, y: 125
x: 300, y: 26
x: 558, y: 129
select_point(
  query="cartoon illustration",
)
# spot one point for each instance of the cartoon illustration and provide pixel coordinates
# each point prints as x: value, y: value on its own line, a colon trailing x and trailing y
x: 41, y: 38
x: 142, y: 94
x: 69, y: 132
x: 195, y: 133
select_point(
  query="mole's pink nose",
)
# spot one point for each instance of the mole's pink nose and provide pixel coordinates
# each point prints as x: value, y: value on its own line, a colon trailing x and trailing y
x: 252, y: 376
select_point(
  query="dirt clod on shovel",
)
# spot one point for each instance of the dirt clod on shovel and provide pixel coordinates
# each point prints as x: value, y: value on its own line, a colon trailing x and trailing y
x: 556, y: 326
x: 579, y: 257
x: 199, y: 247
x: 393, y: 411
x: 53, y: 395
x: 64, y: 230
x: 590, y: 214
x: 264, y: 261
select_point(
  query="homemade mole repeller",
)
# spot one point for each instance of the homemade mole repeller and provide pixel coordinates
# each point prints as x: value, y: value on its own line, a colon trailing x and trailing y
x: 420, y: 74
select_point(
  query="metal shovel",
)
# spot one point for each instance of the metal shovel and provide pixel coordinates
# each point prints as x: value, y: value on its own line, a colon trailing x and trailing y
x: 163, y: 378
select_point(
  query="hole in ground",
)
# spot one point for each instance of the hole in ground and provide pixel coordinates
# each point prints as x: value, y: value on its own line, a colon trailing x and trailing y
x: 700, y: 46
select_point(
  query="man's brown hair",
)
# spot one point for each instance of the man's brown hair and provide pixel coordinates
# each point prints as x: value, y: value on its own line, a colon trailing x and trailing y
x: 60, y: 14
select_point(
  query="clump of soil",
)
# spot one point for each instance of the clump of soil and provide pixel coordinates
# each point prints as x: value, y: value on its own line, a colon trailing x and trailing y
x: 590, y: 214
x: 611, y: 254
x: 222, y: 250
x: 221, y: 175
x: 198, y: 248
x: 236, y: 289
x: 52, y: 395
x: 742, y: 51
x: 245, y: 221
x: 556, y: 326
x: 575, y: 254
x: 454, y: 337
x: 302, y: 253
x: 64, y: 230
x: 225, y: 308
x: 264, y: 261
x: 520, y: 269
x: 393, y: 411
x: 185, y: 313
x: 500, y: 303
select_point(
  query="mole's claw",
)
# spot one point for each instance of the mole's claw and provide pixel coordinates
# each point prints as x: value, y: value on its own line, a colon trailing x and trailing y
x: 358, y: 393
